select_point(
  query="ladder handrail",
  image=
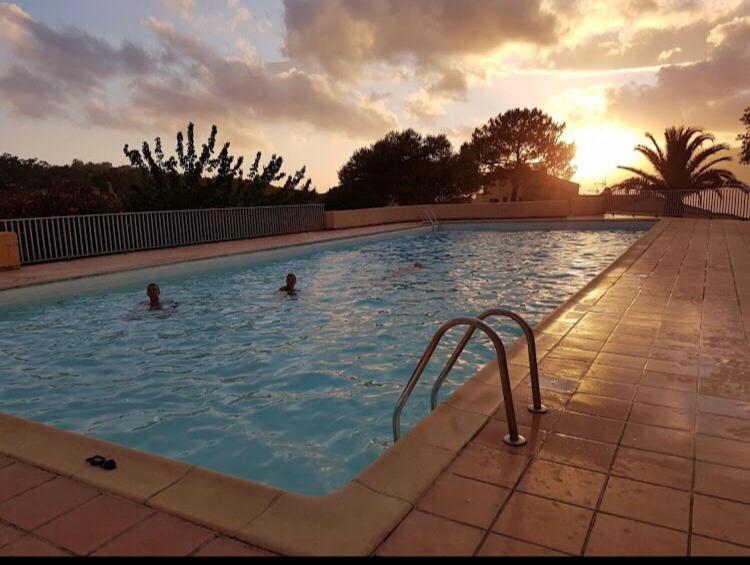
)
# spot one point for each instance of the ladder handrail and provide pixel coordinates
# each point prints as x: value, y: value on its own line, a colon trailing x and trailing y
x: 537, y: 407
x: 512, y: 438
x: 431, y: 217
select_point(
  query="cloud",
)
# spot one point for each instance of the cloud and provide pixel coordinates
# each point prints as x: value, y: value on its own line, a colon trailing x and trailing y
x: 29, y: 95
x: 68, y: 73
x: 240, y: 14
x: 291, y: 95
x: 710, y: 93
x: 185, y: 8
x: 344, y: 37
x: 439, y: 38
x: 616, y: 34
x: 634, y: 49
x: 424, y: 107
x: 669, y: 54
x: 450, y: 82
x: 72, y: 57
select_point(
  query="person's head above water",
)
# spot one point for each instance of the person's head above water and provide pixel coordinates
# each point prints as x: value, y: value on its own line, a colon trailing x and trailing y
x: 153, y: 291
x: 291, y: 281
x: 418, y: 265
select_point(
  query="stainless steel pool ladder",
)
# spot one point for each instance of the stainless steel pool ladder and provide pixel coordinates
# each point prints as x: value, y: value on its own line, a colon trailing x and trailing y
x: 429, y: 218
x: 536, y: 407
x: 512, y: 438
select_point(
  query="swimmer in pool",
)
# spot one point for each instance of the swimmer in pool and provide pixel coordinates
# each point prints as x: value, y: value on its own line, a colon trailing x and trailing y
x: 415, y: 267
x: 154, y: 298
x: 162, y: 308
x: 291, y: 282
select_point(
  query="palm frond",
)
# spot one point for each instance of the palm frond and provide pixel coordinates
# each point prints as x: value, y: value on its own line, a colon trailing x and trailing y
x: 722, y: 178
x: 651, y: 179
x: 697, y: 159
x: 699, y: 140
x: 710, y: 164
x: 651, y: 155
x: 656, y: 146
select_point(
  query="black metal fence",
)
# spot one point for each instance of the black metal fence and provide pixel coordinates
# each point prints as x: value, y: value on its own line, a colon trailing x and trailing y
x: 731, y: 203
x: 67, y: 237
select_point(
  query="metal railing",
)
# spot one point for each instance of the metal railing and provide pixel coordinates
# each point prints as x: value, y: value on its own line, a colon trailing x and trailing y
x: 513, y: 438
x: 429, y: 217
x: 732, y: 203
x: 57, y: 238
x: 536, y: 406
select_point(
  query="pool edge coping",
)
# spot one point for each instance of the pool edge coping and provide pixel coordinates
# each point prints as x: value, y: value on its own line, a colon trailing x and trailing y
x: 336, y: 235
x: 353, y: 520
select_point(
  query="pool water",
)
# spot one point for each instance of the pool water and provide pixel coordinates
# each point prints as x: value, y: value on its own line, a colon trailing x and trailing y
x: 296, y: 392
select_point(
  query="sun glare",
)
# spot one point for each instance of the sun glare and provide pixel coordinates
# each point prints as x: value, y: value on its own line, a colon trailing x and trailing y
x: 601, y: 149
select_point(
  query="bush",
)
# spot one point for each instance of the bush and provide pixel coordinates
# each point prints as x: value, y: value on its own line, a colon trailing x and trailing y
x: 66, y: 199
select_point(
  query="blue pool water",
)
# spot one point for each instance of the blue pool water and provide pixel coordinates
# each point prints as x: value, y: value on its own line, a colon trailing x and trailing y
x: 293, y: 392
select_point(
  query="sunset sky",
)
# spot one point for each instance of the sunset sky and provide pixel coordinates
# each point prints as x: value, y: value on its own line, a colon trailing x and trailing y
x: 314, y: 79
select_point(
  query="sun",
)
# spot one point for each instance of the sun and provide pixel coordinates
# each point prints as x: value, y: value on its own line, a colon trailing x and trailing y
x: 600, y: 149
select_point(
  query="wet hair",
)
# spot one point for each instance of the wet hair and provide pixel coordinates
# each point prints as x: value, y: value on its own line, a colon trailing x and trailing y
x: 291, y: 275
x: 154, y: 284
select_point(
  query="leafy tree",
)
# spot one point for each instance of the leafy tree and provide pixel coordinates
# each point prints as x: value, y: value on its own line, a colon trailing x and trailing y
x: 745, y: 138
x: 208, y: 178
x: 179, y: 182
x: 28, y: 174
x: 259, y: 186
x: 682, y: 165
x: 518, y: 140
x: 401, y: 168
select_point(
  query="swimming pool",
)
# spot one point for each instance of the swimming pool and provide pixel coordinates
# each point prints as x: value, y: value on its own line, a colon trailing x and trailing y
x: 296, y: 392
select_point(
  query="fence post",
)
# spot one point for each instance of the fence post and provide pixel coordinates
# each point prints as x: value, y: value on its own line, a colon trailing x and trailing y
x: 10, y: 255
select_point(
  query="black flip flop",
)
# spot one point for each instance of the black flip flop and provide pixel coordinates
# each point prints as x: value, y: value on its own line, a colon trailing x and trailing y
x: 96, y: 460
x: 103, y: 462
x: 109, y: 465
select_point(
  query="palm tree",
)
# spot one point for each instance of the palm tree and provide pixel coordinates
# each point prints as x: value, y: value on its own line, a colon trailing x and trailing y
x: 684, y: 165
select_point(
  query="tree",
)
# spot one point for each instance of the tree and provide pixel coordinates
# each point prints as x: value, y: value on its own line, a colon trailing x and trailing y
x: 178, y: 182
x: 210, y: 179
x: 518, y: 140
x: 32, y: 188
x: 259, y: 187
x: 59, y: 199
x: 682, y: 165
x: 745, y: 138
x: 401, y: 168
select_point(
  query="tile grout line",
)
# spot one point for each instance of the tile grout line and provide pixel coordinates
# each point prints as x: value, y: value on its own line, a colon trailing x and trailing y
x: 691, y: 516
x: 125, y: 531
x: 597, y: 509
x: 204, y: 544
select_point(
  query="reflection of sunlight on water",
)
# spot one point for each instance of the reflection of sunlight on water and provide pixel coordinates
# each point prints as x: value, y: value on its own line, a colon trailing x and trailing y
x: 244, y: 380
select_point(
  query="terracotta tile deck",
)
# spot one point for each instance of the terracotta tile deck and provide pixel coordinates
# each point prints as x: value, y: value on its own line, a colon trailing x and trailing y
x: 646, y: 450
x: 48, y: 515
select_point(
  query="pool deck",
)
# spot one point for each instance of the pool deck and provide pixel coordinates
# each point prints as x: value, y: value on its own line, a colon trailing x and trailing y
x: 645, y: 451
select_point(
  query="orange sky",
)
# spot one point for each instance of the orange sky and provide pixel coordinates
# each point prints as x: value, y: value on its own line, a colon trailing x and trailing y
x: 314, y: 79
